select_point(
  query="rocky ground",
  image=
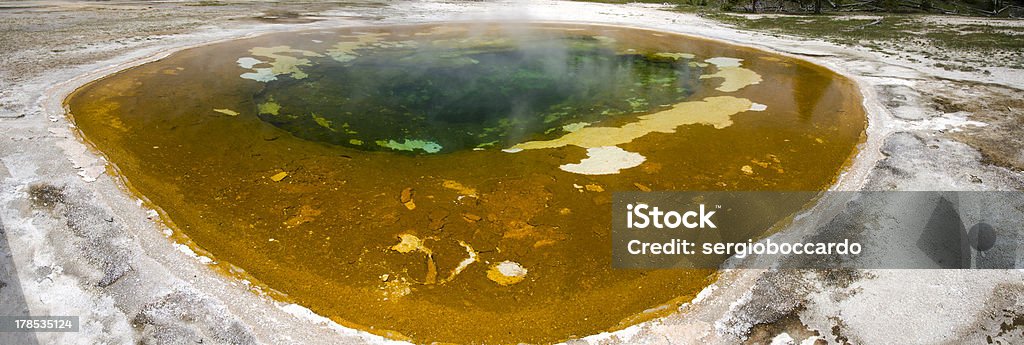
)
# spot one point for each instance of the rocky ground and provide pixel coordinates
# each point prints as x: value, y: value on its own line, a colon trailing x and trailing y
x: 80, y: 244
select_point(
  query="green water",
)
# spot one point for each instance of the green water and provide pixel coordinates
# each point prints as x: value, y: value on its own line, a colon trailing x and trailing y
x: 464, y: 98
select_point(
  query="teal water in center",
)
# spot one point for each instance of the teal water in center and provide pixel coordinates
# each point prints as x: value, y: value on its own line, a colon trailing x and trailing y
x: 435, y: 97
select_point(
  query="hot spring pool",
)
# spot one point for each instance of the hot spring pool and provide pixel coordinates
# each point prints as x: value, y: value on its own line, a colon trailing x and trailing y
x: 452, y: 182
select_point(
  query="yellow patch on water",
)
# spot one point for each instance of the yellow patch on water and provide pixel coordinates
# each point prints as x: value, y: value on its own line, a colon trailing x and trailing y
x: 735, y: 77
x: 285, y: 64
x: 675, y: 56
x: 269, y: 108
x: 322, y: 121
x: 712, y: 111
x: 279, y: 176
x: 346, y: 51
x: 575, y: 126
x: 227, y: 112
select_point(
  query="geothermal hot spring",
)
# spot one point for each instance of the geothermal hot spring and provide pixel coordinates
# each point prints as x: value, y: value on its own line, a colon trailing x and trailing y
x: 452, y: 182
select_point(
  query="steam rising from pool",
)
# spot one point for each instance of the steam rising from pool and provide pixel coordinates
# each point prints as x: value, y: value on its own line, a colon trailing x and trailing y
x: 422, y: 94
x: 451, y: 183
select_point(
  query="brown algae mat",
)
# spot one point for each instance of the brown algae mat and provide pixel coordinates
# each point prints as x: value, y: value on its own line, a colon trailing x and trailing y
x: 452, y: 183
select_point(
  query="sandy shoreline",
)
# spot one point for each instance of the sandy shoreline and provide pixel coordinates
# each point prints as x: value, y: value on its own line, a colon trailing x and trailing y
x: 161, y: 281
